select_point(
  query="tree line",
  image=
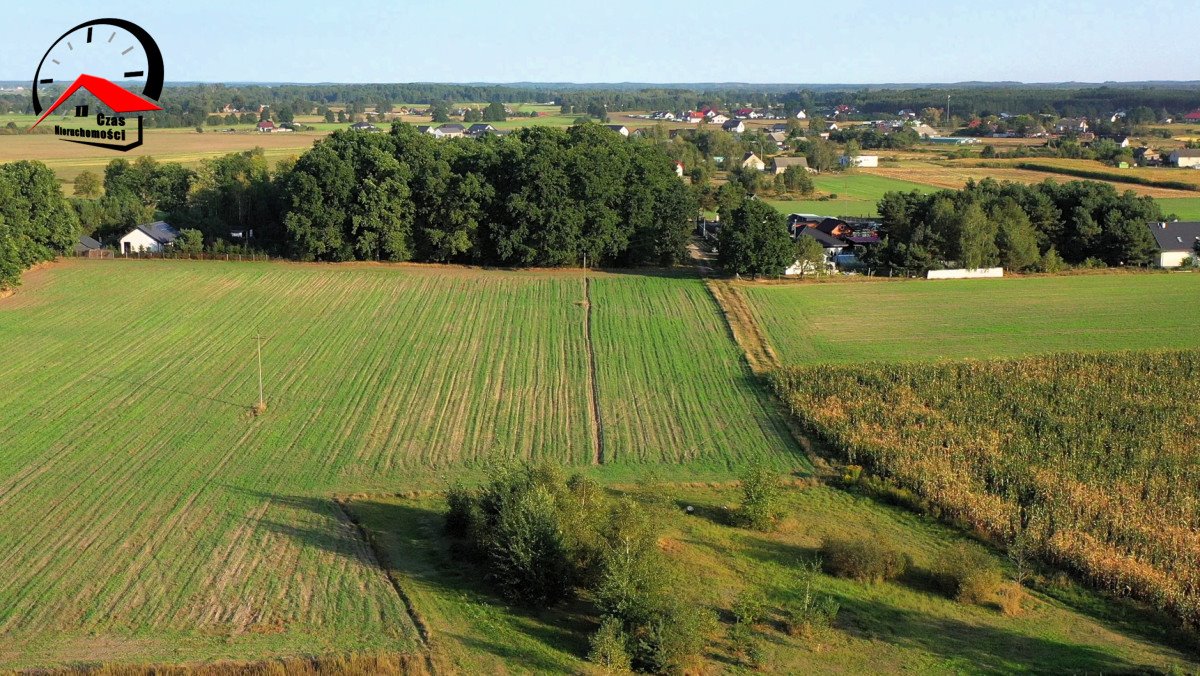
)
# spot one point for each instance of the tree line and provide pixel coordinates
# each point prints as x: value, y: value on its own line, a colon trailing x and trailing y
x: 36, y: 222
x: 537, y: 197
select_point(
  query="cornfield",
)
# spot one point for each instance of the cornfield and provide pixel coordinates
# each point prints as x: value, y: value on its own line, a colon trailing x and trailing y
x: 1095, y: 459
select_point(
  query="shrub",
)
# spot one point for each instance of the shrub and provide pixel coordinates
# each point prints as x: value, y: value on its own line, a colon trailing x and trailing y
x: 1009, y: 598
x: 761, y: 491
x: 608, y: 647
x: 673, y: 638
x: 1052, y: 261
x: 864, y: 560
x: 809, y: 612
x: 749, y: 607
x: 967, y: 573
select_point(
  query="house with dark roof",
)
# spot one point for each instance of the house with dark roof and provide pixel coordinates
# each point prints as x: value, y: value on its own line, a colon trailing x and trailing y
x: 86, y: 245
x: 150, y: 237
x: 1176, y: 241
x: 479, y: 129
x: 452, y: 130
x: 619, y: 128
x: 364, y: 126
x: 734, y: 126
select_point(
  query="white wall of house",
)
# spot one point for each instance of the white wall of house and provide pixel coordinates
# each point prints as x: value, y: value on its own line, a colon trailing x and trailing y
x: 1172, y: 259
x: 1191, y: 162
x: 963, y: 273
x: 139, y: 241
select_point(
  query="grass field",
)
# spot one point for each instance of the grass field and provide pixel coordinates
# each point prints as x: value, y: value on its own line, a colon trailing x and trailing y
x: 146, y: 515
x: 857, y: 194
x: 955, y: 319
x: 885, y: 628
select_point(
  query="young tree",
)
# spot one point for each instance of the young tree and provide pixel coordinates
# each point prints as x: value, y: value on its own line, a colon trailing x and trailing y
x: 87, y: 184
x: 1016, y: 239
x: 809, y: 254
x: 977, y: 235
x: 797, y: 179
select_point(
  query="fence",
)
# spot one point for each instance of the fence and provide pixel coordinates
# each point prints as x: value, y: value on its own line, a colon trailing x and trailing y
x: 177, y: 255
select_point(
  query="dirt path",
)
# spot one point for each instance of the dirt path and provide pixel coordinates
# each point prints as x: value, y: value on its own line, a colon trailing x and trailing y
x: 593, y: 381
x: 759, y: 353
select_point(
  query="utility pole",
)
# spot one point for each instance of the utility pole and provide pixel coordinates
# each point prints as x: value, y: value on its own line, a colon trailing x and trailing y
x: 262, y: 405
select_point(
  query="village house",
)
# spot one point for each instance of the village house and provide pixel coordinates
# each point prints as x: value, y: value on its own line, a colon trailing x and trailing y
x: 860, y: 161
x: 1176, y: 241
x: 266, y: 126
x: 479, y: 129
x: 452, y: 131
x: 733, y: 126
x: 718, y: 119
x: 1147, y: 157
x: 1185, y: 157
x: 619, y: 128
x: 752, y: 161
x: 781, y: 164
x: 151, y: 237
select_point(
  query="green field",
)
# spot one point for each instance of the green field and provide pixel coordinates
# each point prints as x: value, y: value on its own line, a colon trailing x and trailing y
x: 147, y: 515
x: 1184, y: 208
x: 955, y: 319
x: 857, y: 195
x: 884, y: 628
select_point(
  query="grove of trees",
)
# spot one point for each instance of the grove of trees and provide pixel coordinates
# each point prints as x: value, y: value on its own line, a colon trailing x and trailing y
x: 36, y: 222
x: 1021, y: 227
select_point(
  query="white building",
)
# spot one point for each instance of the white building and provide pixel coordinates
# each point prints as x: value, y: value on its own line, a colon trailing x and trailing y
x: 1176, y: 242
x: 861, y: 160
x: 151, y: 237
x: 1185, y: 157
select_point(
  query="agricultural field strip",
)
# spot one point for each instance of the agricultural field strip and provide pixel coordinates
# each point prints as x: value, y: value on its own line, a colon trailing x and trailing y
x: 918, y: 320
x: 128, y: 466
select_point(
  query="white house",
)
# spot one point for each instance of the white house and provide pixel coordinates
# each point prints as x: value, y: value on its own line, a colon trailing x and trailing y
x: 619, y: 128
x: 861, y: 160
x: 733, y: 126
x: 718, y: 119
x: 1185, y: 157
x: 752, y: 161
x: 151, y: 237
x: 1176, y: 242
x: 801, y: 115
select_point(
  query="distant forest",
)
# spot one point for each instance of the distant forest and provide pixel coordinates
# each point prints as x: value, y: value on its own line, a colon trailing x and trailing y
x: 190, y: 104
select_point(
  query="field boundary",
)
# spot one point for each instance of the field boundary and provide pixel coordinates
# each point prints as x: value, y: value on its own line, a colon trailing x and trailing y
x: 1096, y: 174
x: 745, y: 331
x: 384, y: 565
x: 593, y: 379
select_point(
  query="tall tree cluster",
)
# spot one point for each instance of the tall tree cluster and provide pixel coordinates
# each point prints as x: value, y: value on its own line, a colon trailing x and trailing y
x: 1020, y: 227
x: 540, y: 196
x: 36, y: 222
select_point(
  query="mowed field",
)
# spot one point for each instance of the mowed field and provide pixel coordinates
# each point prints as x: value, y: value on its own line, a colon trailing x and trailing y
x: 906, y: 320
x: 147, y: 515
x: 858, y: 193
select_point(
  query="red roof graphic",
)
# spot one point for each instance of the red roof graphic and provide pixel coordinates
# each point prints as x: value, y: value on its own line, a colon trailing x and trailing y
x: 118, y: 98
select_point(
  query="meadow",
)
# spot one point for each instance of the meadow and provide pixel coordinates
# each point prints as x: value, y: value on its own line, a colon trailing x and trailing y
x: 146, y: 514
x: 904, y: 320
x: 857, y: 193
x: 880, y: 628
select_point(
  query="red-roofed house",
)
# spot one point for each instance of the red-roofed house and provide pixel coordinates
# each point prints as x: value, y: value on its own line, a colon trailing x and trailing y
x: 266, y: 126
x: 1193, y: 116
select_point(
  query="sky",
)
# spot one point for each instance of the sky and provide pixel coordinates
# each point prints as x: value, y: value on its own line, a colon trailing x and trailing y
x: 844, y: 42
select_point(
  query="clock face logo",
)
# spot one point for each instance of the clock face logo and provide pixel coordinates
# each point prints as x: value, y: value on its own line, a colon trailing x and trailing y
x: 119, y: 64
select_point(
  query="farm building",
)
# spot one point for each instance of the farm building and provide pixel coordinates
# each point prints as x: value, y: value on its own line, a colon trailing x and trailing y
x: 151, y: 237
x: 364, y: 126
x: 752, y: 161
x: 86, y: 245
x: 781, y: 164
x: 860, y: 161
x: 780, y: 138
x: 1185, y: 157
x: 266, y: 126
x: 1176, y: 241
